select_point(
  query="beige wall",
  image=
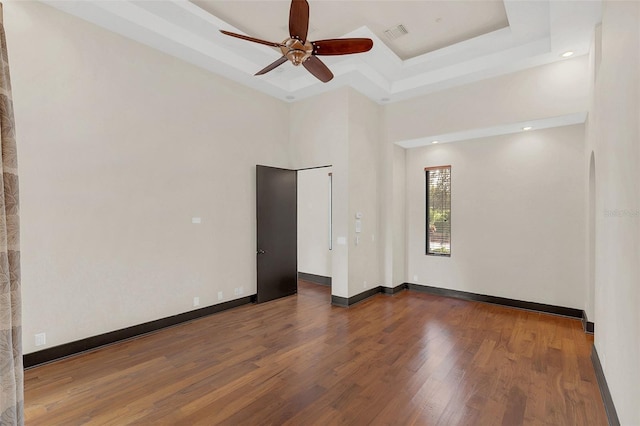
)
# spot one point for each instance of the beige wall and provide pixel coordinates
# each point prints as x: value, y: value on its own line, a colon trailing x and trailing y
x: 392, y: 200
x: 342, y: 129
x: 546, y: 91
x: 398, y: 202
x: 314, y: 255
x: 614, y: 136
x: 365, y: 269
x: 119, y: 147
x: 319, y: 137
x: 517, y: 216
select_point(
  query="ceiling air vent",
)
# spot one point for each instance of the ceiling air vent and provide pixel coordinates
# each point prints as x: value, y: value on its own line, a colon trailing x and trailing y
x: 396, y: 32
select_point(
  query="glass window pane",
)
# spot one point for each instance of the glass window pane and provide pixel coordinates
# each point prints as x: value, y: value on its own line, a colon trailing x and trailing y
x: 438, y: 210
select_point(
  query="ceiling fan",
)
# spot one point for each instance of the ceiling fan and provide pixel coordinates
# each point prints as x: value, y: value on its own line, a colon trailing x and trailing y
x: 299, y: 50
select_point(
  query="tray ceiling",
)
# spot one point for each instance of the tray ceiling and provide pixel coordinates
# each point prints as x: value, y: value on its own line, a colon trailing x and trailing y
x: 449, y: 43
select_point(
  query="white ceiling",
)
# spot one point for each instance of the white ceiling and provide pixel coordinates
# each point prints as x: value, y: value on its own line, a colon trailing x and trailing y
x: 432, y: 25
x: 449, y: 42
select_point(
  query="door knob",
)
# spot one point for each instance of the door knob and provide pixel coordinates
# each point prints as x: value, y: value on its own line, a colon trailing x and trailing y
x: 261, y: 252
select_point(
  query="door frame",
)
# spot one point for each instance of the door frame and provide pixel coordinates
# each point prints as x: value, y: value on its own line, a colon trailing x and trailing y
x: 258, y: 298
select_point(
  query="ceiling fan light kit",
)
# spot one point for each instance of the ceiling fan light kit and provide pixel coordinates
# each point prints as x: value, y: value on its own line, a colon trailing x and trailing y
x: 300, y: 51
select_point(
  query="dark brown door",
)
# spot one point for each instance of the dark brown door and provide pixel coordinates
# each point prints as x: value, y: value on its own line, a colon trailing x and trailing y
x: 277, y: 215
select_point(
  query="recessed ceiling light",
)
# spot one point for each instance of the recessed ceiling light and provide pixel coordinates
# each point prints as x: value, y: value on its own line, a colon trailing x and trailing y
x: 527, y: 128
x: 435, y: 141
x: 567, y: 54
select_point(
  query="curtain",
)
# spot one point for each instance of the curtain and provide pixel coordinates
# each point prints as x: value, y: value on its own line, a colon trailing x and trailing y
x: 11, y: 373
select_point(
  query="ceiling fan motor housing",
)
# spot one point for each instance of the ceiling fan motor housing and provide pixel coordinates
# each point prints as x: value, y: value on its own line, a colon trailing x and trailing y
x: 296, y: 51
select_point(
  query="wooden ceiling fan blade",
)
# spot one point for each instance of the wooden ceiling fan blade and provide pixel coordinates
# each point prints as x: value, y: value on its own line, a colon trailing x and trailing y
x: 272, y: 66
x: 342, y: 46
x: 299, y: 19
x: 316, y: 67
x: 255, y: 40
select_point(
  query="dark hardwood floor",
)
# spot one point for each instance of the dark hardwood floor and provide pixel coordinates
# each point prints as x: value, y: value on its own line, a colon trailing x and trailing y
x: 410, y: 358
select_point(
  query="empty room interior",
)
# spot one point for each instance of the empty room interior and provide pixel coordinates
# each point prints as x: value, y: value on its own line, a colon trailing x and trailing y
x: 462, y: 185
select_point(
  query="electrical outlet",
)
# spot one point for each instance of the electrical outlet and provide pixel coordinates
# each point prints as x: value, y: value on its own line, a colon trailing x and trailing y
x: 241, y: 290
x: 415, y: 278
x: 236, y: 291
x: 196, y: 301
x: 364, y: 284
x: 41, y: 339
x: 219, y: 295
